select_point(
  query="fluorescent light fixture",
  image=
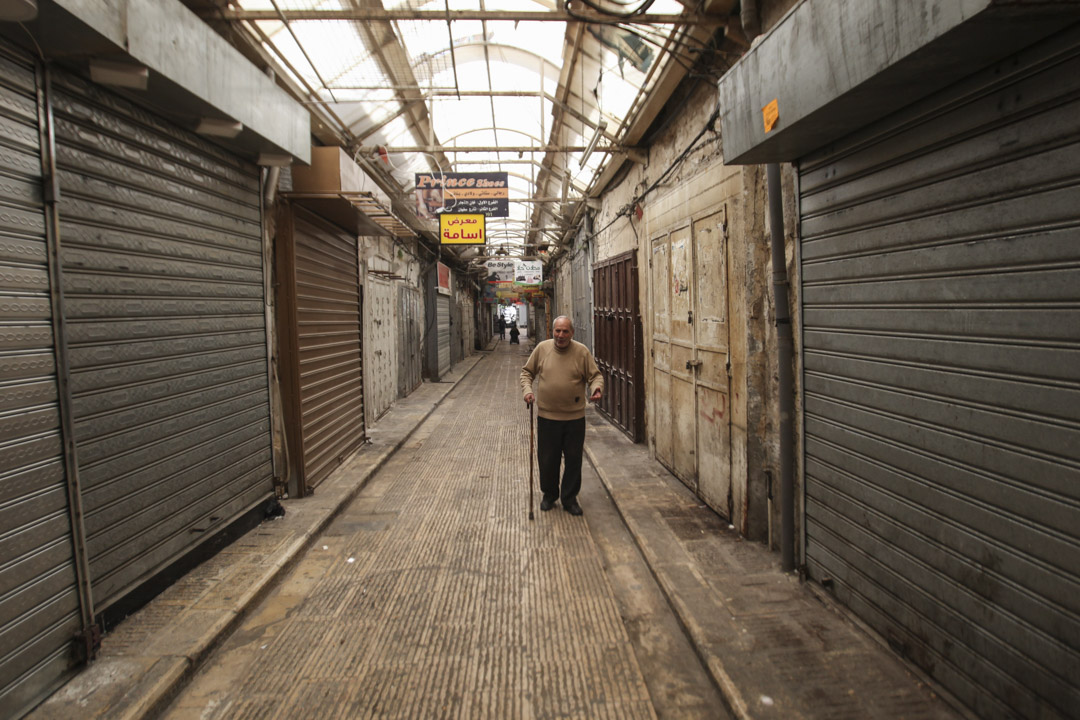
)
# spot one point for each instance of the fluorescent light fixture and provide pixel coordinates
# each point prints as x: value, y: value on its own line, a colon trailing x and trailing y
x: 274, y: 160
x: 219, y: 128
x: 18, y: 10
x: 107, y: 72
x: 600, y: 128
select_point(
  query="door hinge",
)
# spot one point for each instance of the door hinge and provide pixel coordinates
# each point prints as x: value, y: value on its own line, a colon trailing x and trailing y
x: 690, y: 318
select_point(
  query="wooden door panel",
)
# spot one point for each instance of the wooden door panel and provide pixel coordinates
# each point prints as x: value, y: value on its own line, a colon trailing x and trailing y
x: 714, y: 449
x: 659, y: 283
x: 711, y: 360
x: 661, y: 350
x: 680, y: 286
x: 662, y: 423
x: 684, y: 432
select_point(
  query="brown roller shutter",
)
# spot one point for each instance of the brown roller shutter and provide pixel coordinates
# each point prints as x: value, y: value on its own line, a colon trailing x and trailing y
x: 320, y: 324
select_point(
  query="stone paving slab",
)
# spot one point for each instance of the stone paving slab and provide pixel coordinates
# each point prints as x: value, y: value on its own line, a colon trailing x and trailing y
x: 775, y: 648
x: 149, y: 656
x: 432, y: 595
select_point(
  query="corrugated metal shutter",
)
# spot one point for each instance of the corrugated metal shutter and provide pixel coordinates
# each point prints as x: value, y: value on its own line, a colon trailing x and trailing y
x: 442, y: 313
x: 39, y: 600
x: 329, y: 352
x: 941, y: 291
x: 581, y: 288
x: 164, y: 299
x: 455, y: 327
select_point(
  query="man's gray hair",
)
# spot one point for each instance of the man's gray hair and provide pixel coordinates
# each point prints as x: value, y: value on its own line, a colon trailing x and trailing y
x: 563, y: 317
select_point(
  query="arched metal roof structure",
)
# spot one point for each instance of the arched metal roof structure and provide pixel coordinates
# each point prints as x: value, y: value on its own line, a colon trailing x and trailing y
x: 519, y: 86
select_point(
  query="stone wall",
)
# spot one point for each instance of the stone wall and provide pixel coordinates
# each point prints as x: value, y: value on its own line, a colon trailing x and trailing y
x: 700, y: 185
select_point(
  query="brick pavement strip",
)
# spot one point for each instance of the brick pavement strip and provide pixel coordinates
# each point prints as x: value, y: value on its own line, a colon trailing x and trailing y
x: 433, y: 595
x: 146, y: 659
x: 774, y: 648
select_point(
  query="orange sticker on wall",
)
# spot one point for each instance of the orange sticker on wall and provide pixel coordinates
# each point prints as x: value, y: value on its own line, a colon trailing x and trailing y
x: 771, y: 113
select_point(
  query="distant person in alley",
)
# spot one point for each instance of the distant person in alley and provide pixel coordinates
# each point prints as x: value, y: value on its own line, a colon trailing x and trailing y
x: 559, y: 375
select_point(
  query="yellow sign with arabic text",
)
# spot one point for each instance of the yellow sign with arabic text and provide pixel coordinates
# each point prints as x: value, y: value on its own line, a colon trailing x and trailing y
x: 462, y: 229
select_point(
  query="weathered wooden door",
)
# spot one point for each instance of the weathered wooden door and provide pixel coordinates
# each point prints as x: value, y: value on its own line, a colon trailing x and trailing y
x: 659, y: 270
x: 710, y: 363
x: 618, y: 341
x: 683, y: 415
x: 692, y: 431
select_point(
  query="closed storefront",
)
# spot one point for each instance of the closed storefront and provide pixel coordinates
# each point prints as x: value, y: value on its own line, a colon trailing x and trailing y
x: 456, y: 336
x: 581, y: 291
x: 618, y: 348
x: 941, y: 284
x: 410, y: 321
x: 691, y: 362
x: 163, y: 282
x: 442, y: 320
x: 380, y: 346
x: 319, y: 333
x: 41, y: 611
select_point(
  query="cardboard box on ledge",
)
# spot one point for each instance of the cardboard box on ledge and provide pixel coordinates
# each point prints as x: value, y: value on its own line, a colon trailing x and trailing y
x: 331, y: 171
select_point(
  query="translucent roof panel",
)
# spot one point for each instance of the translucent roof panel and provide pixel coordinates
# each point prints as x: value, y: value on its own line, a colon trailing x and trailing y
x: 488, y: 85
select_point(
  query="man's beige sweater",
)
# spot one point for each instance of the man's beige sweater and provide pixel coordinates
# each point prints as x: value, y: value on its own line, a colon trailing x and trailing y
x: 561, y: 380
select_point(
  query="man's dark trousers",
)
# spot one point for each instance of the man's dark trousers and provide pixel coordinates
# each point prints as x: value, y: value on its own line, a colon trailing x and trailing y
x: 557, y: 440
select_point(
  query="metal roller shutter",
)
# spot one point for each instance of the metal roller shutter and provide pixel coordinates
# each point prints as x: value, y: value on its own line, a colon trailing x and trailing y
x: 163, y: 280
x: 331, y: 384
x: 941, y: 291
x: 39, y: 598
x: 455, y: 328
x: 442, y: 309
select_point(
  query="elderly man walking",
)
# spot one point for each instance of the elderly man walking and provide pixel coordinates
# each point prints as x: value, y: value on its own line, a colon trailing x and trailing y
x: 559, y: 375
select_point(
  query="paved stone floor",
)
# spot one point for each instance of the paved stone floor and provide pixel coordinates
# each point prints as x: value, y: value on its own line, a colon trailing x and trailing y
x: 433, y: 595
x: 412, y: 584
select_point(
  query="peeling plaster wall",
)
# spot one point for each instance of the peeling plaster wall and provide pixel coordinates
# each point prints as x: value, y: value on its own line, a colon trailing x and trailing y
x: 703, y: 184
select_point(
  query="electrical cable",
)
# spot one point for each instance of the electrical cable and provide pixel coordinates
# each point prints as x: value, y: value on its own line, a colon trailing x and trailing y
x: 677, y: 162
x: 641, y: 9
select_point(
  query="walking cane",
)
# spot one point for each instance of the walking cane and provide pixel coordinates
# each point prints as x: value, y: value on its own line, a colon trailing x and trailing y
x: 529, y: 408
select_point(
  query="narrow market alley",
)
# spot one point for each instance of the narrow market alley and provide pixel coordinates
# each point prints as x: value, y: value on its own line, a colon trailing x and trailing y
x: 269, y: 272
x: 413, y: 585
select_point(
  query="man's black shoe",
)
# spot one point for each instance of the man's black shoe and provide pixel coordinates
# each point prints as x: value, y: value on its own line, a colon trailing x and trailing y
x: 573, y: 508
x: 547, y: 503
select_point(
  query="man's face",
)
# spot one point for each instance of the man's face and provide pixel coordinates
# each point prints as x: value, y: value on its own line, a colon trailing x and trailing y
x: 564, y: 333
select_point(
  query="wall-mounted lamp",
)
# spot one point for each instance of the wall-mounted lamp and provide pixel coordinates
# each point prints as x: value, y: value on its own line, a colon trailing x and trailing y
x: 600, y: 128
x: 18, y: 10
x: 274, y: 160
x: 107, y: 72
x: 219, y: 128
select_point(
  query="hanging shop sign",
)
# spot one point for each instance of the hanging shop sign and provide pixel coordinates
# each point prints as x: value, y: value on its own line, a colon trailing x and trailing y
x: 529, y: 272
x: 444, y: 279
x: 501, y: 270
x: 500, y: 278
x: 487, y: 193
x: 461, y: 229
